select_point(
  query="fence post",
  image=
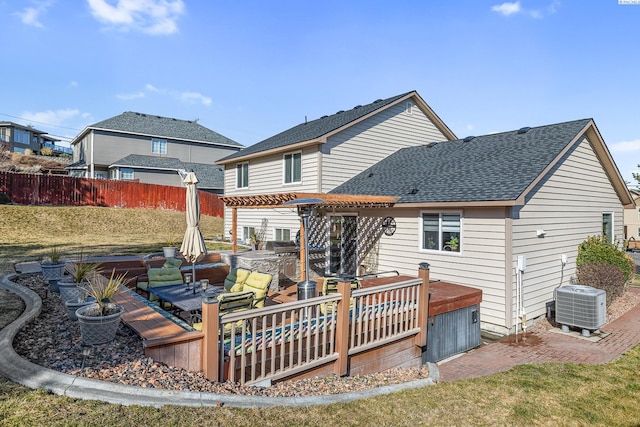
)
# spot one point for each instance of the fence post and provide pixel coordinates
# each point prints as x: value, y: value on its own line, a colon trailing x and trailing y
x: 340, y: 366
x: 210, y: 329
x: 423, y: 304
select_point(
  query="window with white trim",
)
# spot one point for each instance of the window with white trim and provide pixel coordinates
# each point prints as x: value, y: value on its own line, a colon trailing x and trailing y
x: 158, y: 146
x: 247, y: 232
x: 607, y: 226
x: 282, y: 234
x: 441, y: 231
x: 292, y: 167
x: 242, y: 175
x: 126, y: 173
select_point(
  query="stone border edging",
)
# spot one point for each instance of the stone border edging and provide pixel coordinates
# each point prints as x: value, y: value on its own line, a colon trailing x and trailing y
x: 34, y: 376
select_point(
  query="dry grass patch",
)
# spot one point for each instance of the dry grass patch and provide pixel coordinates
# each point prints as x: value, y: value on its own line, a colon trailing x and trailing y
x: 30, y: 231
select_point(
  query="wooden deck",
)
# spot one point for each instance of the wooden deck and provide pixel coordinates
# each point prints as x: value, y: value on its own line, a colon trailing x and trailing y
x: 165, y: 338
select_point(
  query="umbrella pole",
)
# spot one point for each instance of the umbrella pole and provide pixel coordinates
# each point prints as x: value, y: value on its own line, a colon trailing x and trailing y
x: 193, y: 268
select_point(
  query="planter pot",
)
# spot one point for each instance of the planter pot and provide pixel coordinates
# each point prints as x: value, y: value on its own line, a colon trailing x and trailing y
x: 53, y: 286
x: 70, y: 291
x: 169, y: 252
x: 52, y: 271
x: 72, y: 306
x: 96, y: 329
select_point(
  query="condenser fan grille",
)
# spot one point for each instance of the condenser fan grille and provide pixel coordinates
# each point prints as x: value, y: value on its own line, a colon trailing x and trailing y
x: 581, y: 306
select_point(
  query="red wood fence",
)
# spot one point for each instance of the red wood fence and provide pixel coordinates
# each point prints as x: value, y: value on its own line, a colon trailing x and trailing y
x: 57, y: 190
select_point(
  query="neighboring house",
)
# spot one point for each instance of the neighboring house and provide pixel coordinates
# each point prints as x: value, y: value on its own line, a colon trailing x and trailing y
x: 150, y: 149
x: 18, y: 139
x: 318, y: 155
x: 632, y: 219
x: 472, y: 207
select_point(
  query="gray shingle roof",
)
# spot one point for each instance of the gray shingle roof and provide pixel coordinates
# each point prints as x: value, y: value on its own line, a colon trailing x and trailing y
x: 209, y: 176
x: 163, y: 127
x: 315, y: 128
x: 496, y: 167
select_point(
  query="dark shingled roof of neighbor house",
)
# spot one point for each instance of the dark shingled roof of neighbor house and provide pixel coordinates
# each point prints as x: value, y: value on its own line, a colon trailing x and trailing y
x: 314, y: 128
x: 496, y: 167
x: 209, y: 176
x: 163, y: 127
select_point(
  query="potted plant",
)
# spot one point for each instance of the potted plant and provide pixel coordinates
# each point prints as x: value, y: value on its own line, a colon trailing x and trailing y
x: 255, y: 241
x: 453, y: 243
x: 74, y: 305
x: 170, y: 248
x: 53, y: 268
x: 79, y: 271
x: 99, y: 321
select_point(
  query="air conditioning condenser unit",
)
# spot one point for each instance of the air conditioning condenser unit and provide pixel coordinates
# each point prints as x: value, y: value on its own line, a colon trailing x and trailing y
x: 581, y: 306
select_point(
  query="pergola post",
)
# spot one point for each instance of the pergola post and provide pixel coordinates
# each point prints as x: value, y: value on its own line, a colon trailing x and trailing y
x: 234, y: 230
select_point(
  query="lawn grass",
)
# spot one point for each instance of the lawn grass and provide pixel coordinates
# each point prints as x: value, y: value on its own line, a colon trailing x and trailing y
x: 28, y: 232
x: 544, y: 394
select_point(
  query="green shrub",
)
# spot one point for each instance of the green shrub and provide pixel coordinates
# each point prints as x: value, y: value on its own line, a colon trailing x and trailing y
x: 596, y: 250
x: 607, y: 277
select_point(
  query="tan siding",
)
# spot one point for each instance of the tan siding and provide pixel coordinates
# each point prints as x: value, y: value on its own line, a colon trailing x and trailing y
x: 266, y: 175
x: 480, y: 264
x: 632, y: 221
x: 568, y: 206
x: 366, y: 143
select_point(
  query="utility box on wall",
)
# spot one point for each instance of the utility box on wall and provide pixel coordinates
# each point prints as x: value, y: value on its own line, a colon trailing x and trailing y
x: 454, y: 321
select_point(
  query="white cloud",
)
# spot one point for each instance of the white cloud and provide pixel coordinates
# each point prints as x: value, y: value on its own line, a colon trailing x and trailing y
x: 507, y: 9
x: 130, y: 96
x: 73, y: 84
x: 31, y: 15
x: 149, y: 16
x: 195, y: 97
x: 50, y: 117
x: 152, y: 88
x: 626, y: 146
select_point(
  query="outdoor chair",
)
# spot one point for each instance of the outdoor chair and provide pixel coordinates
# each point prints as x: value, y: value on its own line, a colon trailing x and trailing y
x: 330, y: 286
x: 156, y: 277
x: 235, y: 279
x: 230, y: 302
x: 258, y: 283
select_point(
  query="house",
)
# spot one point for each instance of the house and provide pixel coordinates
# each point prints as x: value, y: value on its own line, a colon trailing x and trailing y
x: 478, y: 208
x: 316, y: 156
x: 150, y: 149
x: 400, y: 189
x: 632, y: 221
x: 19, y: 138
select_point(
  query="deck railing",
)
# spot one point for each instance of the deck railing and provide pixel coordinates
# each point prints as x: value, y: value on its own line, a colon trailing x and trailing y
x: 276, y: 342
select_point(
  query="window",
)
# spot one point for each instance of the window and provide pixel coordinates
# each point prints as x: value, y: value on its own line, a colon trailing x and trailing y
x: 292, y: 167
x: 113, y: 173
x: 21, y: 136
x: 242, y: 175
x: 247, y: 232
x: 607, y: 226
x: 126, y: 173
x: 4, y: 134
x: 159, y: 146
x: 441, y: 231
x: 283, y: 234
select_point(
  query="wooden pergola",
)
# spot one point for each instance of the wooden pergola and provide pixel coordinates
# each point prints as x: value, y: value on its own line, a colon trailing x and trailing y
x: 276, y: 200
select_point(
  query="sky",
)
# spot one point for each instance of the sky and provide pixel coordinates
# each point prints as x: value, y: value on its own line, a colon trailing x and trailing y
x: 251, y: 69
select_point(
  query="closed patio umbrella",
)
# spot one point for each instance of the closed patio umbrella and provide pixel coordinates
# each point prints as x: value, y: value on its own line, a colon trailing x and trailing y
x: 193, y: 247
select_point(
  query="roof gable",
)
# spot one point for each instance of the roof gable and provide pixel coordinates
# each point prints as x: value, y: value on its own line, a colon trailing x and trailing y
x: 161, y: 127
x: 497, y: 167
x: 209, y: 176
x: 316, y: 130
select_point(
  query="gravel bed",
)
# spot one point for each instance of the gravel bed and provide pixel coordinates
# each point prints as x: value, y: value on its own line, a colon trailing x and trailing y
x: 53, y: 340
